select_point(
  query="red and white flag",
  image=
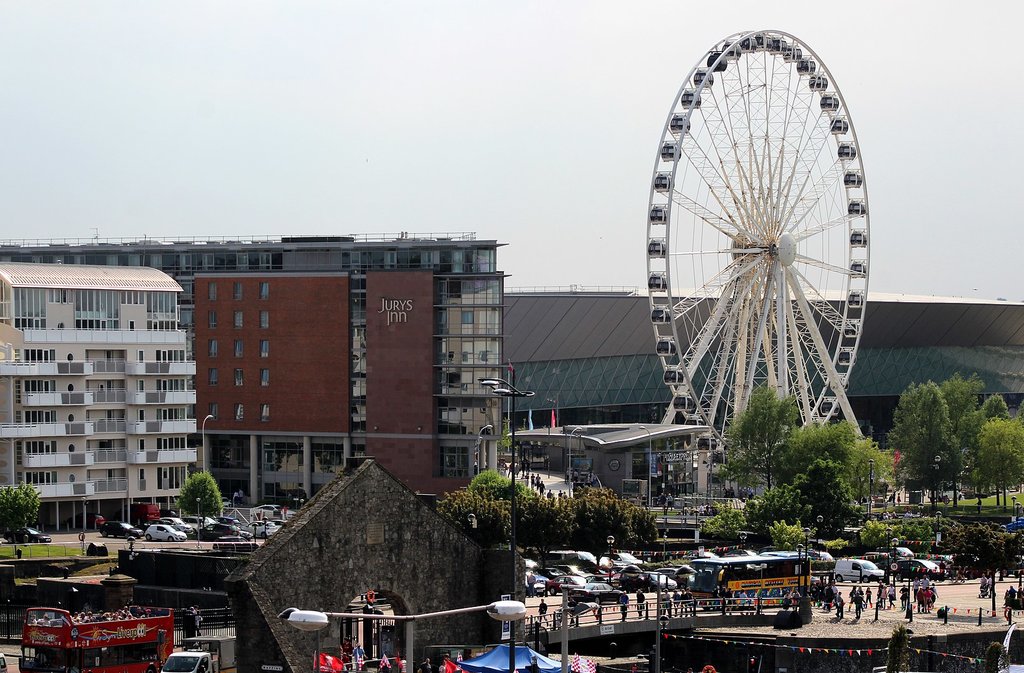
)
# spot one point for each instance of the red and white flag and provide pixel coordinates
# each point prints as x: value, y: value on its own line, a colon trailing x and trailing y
x: 384, y: 663
x: 554, y: 419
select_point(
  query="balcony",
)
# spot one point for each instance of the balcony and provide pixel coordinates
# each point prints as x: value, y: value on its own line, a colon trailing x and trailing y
x: 68, y: 489
x: 117, y: 425
x: 57, y: 399
x: 162, y: 457
x: 110, y: 485
x: 57, y: 459
x: 9, y: 430
x: 165, y: 368
x: 110, y: 455
x: 105, y: 366
x: 162, y: 427
x: 76, y: 368
x: 163, y: 397
x: 109, y: 396
x: 103, y: 336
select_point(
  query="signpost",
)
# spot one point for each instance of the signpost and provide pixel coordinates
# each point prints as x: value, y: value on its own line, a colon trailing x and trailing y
x: 506, y: 628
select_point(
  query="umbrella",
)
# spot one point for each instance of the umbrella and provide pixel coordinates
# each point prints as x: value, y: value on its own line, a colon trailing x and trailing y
x: 496, y: 661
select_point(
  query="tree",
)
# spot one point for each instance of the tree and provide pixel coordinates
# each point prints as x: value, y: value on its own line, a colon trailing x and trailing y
x: 1000, y: 460
x: 599, y: 512
x: 786, y: 536
x: 832, y: 441
x: 921, y: 431
x: 875, y: 534
x: 781, y: 503
x: 490, y: 484
x: 544, y: 524
x: 824, y: 490
x: 19, y: 506
x: 726, y: 525
x: 859, y: 468
x: 491, y: 516
x: 758, y: 436
x: 983, y: 547
x: 961, y: 396
x: 898, y: 656
x: 994, y: 406
x: 203, y: 486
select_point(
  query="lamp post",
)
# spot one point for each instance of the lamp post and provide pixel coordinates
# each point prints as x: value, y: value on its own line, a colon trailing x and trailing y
x: 935, y: 480
x: 938, y: 527
x: 611, y: 547
x: 871, y: 483
x: 199, y: 524
x: 650, y: 463
x: 576, y: 432
x: 507, y: 389
x: 484, y: 431
x: 807, y: 560
x: 206, y: 454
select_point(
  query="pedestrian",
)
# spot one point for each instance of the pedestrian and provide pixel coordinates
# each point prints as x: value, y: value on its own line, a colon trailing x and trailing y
x: 867, y: 599
x: 858, y: 603
x: 197, y: 620
x: 624, y: 604
x: 892, y: 596
x: 839, y: 605
x: 425, y: 667
x: 542, y: 610
x: 641, y: 603
x: 677, y: 603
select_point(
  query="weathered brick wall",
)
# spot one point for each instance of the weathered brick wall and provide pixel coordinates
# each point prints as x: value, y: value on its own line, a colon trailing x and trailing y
x: 363, y: 531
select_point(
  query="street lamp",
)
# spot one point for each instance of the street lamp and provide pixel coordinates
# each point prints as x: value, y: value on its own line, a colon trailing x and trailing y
x: 199, y: 524
x: 935, y: 480
x: 206, y: 454
x: 85, y: 515
x: 650, y: 463
x: 807, y: 560
x: 576, y: 432
x: 484, y: 431
x: 871, y: 483
x: 503, y: 388
x: 892, y: 561
x: 611, y: 546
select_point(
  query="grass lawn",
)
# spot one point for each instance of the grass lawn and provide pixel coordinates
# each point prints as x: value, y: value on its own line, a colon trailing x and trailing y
x: 40, y: 550
x: 968, y: 507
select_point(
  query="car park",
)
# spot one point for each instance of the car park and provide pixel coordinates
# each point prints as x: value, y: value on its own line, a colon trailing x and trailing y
x: 26, y: 535
x: 177, y: 524
x: 595, y: 592
x: 216, y: 531
x: 164, y: 533
x: 119, y: 529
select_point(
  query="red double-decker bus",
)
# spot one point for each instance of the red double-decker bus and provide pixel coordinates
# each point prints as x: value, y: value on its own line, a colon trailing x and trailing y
x: 52, y: 640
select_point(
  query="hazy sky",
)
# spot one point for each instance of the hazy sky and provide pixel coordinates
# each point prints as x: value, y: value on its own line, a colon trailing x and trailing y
x: 534, y: 123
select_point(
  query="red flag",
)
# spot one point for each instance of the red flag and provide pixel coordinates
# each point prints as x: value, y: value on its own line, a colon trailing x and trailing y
x: 896, y: 457
x: 511, y: 369
x: 329, y: 664
x: 384, y: 663
x: 449, y: 666
x: 554, y: 419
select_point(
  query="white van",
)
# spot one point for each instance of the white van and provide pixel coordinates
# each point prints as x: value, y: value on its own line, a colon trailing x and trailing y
x: 857, y: 570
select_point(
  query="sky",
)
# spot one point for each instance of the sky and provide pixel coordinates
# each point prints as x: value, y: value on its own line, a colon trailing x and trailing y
x: 532, y: 123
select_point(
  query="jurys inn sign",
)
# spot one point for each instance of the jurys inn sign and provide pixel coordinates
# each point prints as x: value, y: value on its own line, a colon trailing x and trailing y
x: 395, y: 310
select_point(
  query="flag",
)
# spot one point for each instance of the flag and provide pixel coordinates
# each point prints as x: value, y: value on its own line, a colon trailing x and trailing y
x: 529, y: 419
x: 330, y: 664
x: 554, y: 418
x: 449, y: 666
x: 896, y: 457
x: 511, y: 369
x: 384, y: 663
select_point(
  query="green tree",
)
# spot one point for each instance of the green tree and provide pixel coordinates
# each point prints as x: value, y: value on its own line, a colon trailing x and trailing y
x: 983, y: 547
x: 1000, y: 460
x: 544, y: 524
x: 824, y: 490
x: 759, y: 436
x: 832, y: 441
x: 781, y: 503
x: 726, y: 525
x: 858, y: 468
x: 201, y: 486
x: 875, y: 535
x: 491, y: 516
x: 994, y: 406
x: 961, y: 396
x: 921, y: 431
x: 599, y: 512
x: 490, y: 484
x: 19, y: 506
x: 898, y: 655
x: 786, y: 536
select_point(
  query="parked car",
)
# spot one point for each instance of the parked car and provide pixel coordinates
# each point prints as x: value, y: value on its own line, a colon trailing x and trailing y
x: 177, y: 524
x: 265, y: 512
x: 540, y: 584
x: 647, y: 582
x: 581, y: 559
x: 916, y: 567
x: 215, y: 531
x: 168, y: 512
x: 92, y: 521
x: 230, y: 520
x: 732, y: 553
x: 555, y: 584
x: 25, y: 535
x: 164, y: 533
x: 619, y: 559
x: 857, y: 570
x: 595, y: 592
x: 676, y: 572
x: 235, y: 543
x: 196, y: 523
x: 119, y: 529
x: 901, y: 552
x: 264, y: 529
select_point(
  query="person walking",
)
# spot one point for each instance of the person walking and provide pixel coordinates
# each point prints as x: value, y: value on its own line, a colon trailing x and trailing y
x: 624, y: 605
x: 867, y: 599
x: 839, y: 605
x: 641, y: 604
x: 542, y: 611
x: 858, y: 603
x: 892, y: 596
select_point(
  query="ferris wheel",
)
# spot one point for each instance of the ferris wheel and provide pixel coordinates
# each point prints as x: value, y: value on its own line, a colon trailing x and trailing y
x: 757, y: 234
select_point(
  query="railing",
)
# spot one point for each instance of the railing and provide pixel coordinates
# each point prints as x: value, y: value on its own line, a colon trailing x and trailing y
x: 182, y: 426
x: 103, y: 336
x: 111, y: 366
x: 162, y: 456
x: 187, y: 368
x: 57, y: 459
x: 67, y: 489
x: 110, y: 455
x: 163, y: 397
x: 110, y: 485
x: 46, y: 429
x: 295, y: 239
x: 76, y: 368
x: 56, y: 399
x: 110, y: 425
x: 215, y: 622
x: 110, y: 396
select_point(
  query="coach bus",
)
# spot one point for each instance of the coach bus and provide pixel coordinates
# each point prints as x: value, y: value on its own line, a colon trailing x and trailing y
x: 134, y: 640
x: 748, y: 575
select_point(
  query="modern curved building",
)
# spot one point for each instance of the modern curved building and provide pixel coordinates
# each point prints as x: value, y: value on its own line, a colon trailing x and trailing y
x: 590, y: 355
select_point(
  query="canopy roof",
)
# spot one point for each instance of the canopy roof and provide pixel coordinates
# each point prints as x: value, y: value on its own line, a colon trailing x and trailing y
x: 497, y: 660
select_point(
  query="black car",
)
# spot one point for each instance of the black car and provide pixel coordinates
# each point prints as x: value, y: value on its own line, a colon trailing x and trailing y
x: 119, y: 529
x: 914, y: 568
x: 218, y: 530
x: 25, y: 535
x: 235, y: 543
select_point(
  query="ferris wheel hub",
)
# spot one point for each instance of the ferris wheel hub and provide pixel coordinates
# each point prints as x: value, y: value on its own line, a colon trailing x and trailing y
x: 787, y: 249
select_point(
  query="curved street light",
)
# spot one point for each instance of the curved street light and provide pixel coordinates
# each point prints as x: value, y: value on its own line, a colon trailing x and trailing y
x: 206, y: 454
x: 485, y: 431
x: 650, y: 459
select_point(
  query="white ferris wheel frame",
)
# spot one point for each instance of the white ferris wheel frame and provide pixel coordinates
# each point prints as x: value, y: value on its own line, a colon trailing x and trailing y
x: 795, y: 320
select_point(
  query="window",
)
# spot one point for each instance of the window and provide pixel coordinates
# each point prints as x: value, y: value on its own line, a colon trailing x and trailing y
x: 237, y: 293
x: 454, y: 461
x: 264, y: 412
x: 467, y: 317
x: 264, y: 319
x: 213, y: 410
x: 264, y: 290
x: 212, y: 318
x: 264, y: 348
x: 264, y: 377
x: 212, y: 376
x: 238, y: 319
x: 239, y: 379
x: 212, y: 348
x: 238, y: 348
x: 212, y: 292
x: 239, y: 411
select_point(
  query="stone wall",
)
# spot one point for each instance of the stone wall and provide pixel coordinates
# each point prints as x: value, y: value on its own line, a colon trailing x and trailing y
x: 365, y: 530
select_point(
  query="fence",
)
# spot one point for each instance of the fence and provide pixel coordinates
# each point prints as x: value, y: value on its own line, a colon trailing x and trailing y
x: 215, y: 622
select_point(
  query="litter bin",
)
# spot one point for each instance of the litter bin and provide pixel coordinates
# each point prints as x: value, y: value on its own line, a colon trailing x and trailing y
x: 96, y: 549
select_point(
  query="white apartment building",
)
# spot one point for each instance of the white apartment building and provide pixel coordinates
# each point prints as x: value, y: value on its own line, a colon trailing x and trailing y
x: 96, y: 392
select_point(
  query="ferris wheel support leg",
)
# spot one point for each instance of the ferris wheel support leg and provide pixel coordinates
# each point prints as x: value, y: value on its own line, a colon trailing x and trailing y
x: 781, y: 299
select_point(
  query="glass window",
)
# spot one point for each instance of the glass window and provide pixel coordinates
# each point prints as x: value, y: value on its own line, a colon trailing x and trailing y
x: 264, y: 377
x: 212, y: 409
x: 211, y: 377
x: 264, y: 348
x: 467, y: 317
x: 264, y: 290
x: 239, y: 411
x: 454, y: 461
x: 238, y: 319
x: 264, y: 319
x: 237, y: 292
x: 212, y: 348
x: 212, y: 291
x: 264, y: 412
x: 239, y: 378
x: 212, y: 317
x: 239, y: 346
